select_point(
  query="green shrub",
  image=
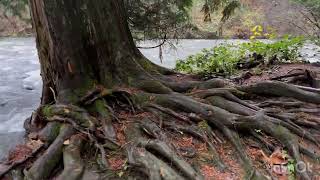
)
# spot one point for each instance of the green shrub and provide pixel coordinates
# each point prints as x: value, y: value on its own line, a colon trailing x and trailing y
x: 283, y: 50
x: 224, y: 58
x: 219, y: 59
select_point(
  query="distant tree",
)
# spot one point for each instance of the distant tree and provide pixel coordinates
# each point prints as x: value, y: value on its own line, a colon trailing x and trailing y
x: 15, y: 7
x: 311, y: 14
x: 151, y: 19
x: 154, y: 19
x: 228, y: 8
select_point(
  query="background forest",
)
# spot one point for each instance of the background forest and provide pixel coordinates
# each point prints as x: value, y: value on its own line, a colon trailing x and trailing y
x: 194, y: 19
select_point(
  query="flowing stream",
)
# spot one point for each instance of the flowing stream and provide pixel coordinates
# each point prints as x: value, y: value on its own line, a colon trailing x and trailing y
x: 20, y: 81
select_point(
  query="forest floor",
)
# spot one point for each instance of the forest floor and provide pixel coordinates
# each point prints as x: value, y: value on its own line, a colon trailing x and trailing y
x: 281, y: 70
x: 273, y: 152
x: 269, y: 156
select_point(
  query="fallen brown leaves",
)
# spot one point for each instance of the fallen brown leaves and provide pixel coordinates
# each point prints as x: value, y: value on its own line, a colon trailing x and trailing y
x: 228, y: 157
x: 277, y: 157
x: 184, y: 142
x: 210, y: 173
x: 120, y: 128
x: 203, y: 156
x: 19, y: 153
x: 201, y: 147
x: 277, y: 162
x: 116, y: 163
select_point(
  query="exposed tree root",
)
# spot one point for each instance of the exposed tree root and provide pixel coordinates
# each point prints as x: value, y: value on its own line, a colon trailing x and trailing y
x: 151, y: 167
x: 280, y: 103
x: 189, y: 85
x: 315, y: 90
x: 305, y: 110
x: 170, y: 112
x: 72, y: 162
x: 50, y: 132
x: 288, y: 75
x: 154, y: 116
x: 251, y: 172
x: 51, y: 158
x: 282, y: 89
x: 163, y: 151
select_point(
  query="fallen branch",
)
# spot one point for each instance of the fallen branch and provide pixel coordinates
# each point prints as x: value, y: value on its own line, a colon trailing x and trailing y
x: 305, y: 110
x: 280, y: 103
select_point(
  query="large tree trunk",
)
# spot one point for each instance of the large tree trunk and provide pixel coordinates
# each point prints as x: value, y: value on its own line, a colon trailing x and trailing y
x: 82, y: 43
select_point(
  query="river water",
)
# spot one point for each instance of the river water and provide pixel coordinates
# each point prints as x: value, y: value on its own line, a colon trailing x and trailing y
x: 20, y: 81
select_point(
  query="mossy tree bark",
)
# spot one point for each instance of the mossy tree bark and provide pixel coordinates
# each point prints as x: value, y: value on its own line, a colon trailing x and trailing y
x: 82, y: 43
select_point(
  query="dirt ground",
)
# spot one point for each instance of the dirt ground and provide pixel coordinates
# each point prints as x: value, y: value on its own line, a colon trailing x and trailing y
x: 279, y: 70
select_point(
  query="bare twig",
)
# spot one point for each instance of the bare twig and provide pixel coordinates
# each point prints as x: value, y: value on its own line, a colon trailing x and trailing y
x: 159, y: 45
x: 54, y: 94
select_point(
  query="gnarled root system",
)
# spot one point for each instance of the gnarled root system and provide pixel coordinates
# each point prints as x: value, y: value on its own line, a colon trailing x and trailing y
x: 160, y: 133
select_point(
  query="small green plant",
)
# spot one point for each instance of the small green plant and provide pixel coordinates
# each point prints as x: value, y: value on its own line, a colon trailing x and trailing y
x: 291, y: 166
x: 283, y: 50
x: 223, y: 59
x: 219, y: 59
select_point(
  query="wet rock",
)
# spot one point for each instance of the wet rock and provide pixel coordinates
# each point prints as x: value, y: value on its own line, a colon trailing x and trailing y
x: 2, y: 104
x: 27, y: 87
